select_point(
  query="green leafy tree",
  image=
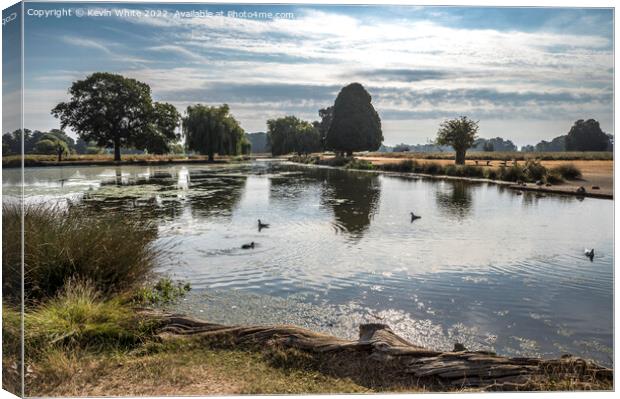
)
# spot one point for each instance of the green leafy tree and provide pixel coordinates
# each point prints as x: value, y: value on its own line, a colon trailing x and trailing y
x: 355, y: 126
x: 109, y: 109
x: 211, y: 130
x: 460, y: 133
x: 52, y: 145
x: 291, y: 134
x: 587, y: 136
x: 162, y: 132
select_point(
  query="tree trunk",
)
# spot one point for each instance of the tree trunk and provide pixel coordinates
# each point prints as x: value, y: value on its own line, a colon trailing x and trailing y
x: 211, y: 157
x: 460, y: 157
x: 349, y: 153
x: 59, y: 155
x: 386, y: 353
x: 117, y: 149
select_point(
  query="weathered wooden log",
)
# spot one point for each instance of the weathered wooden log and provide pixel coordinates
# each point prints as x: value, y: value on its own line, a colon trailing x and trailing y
x: 378, y: 343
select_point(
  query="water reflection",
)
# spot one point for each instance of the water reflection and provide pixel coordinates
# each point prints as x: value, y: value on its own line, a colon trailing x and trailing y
x: 455, y: 200
x: 342, y: 242
x: 354, y: 199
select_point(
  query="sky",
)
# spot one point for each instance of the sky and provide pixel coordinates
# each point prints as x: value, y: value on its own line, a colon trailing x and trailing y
x: 525, y: 74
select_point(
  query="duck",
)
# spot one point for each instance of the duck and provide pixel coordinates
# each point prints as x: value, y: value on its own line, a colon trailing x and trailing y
x: 581, y: 190
x: 414, y: 216
x: 262, y: 225
x: 248, y: 246
x: 589, y: 253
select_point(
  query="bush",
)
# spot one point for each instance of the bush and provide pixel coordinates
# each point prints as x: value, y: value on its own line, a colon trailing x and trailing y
x: 114, y: 252
x: 491, y: 174
x: 432, y: 168
x: 405, y: 166
x: 568, y: 171
x: 554, y: 178
x: 534, y: 170
x: 360, y: 164
x: 335, y: 161
x: 511, y: 173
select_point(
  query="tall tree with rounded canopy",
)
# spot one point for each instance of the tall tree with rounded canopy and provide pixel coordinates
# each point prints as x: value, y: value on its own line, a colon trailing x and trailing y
x: 355, y: 126
x: 109, y: 109
x: 587, y: 136
x: 460, y: 133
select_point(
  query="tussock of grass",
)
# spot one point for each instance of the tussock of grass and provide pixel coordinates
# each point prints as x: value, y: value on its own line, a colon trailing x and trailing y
x: 79, y: 317
x: 113, y: 252
x: 567, y: 171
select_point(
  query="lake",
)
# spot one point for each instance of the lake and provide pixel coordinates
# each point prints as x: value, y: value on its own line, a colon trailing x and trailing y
x: 483, y: 266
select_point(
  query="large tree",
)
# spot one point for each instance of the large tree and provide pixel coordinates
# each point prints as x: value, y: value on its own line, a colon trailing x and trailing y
x: 291, y: 134
x: 355, y: 126
x: 109, y: 109
x: 587, y: 136
x: 460, y: 133
x: 211, y: 130
x: 162, y: 131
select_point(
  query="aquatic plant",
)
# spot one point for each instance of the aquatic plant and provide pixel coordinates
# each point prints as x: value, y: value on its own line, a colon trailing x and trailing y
x: 164, y: 291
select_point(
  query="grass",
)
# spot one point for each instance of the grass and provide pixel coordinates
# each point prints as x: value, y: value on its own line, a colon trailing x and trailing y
x: 79, y: 317
x: 115, y: 253
x: 162, y: 292
x: 567, y: 171
x: 177, y: 368
x: 504, y: 156
x: 42, y: 160
x: 531, y: 171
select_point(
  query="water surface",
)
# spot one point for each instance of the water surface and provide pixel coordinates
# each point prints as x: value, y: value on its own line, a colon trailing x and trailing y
x: 483, y: 266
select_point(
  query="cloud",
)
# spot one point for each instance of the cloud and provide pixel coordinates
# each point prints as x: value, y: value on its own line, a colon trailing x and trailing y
x: 177, y: 50
x: 88, y: 43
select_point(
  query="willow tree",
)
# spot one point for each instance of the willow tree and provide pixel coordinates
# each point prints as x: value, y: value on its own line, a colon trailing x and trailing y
x: 355, y: 125
x: 460, y: 133
x: 211, y: 130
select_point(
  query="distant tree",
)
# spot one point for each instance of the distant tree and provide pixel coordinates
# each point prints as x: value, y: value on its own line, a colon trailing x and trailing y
x: 245, y: 145
x: 586, y: 136
x: 488, y: 147
x: 528, y: 148
x: 211, y: 130
x: 291, y: 134
x: 355, y: 126
x: 555, y: 145
x: 327, y: 116
x: 109, y: 109
x: 459, y: 133
x: 52, y: 145
x: 12, y: 142
x: 400, y: 148
x: 259, y: 142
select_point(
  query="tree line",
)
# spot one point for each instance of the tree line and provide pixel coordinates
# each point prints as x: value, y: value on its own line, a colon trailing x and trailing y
x: 351, y: 124
x: 112, y: 111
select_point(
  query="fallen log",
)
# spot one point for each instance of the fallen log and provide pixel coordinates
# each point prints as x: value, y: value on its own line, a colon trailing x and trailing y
x: 378, y: 344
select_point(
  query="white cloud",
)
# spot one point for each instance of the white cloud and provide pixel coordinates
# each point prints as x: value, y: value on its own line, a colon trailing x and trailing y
x: 88, y: 43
